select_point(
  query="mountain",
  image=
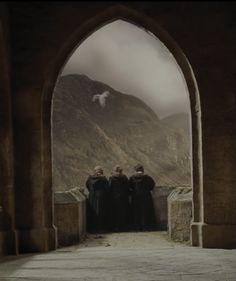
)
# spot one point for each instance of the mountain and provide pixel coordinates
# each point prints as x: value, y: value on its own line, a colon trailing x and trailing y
x: 93, y: 124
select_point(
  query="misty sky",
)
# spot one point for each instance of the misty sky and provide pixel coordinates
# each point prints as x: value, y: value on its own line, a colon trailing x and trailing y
x: 134, y: 62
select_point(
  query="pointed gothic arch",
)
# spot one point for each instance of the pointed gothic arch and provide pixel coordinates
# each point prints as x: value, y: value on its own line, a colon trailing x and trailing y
x: 60, y: 59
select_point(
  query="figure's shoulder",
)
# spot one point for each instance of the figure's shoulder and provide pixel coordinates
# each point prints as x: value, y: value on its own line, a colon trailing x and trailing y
x: 124, y: 177
x: 111, y: 178
x: 89, y: 178
x: 147, y: 177
x: 104, y: 178
x: 132, y: 177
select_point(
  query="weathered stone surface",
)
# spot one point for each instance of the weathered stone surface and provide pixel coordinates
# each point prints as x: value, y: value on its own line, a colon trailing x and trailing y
x: 159, y: 195
x: 80, y: 195
x: 146, y: 256
x: 180, y: 213
x: 70, y: 216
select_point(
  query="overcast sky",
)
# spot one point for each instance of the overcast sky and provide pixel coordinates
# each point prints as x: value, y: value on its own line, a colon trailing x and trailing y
x: 134, y: 62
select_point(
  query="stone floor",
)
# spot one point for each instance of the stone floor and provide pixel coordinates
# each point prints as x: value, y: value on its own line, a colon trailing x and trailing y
x: 123, y: 257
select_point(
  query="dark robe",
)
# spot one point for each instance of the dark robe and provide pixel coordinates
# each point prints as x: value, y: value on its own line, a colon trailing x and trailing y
x: 143, y: 216
x: 119, y: 202
x: 97, y: 203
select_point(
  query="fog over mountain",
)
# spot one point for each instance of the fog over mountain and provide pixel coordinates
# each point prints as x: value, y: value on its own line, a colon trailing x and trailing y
x: 132, y: 60
x: 93, y: 124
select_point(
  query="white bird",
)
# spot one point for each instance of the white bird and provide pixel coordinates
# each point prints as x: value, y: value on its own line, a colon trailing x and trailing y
x: 101, y: 98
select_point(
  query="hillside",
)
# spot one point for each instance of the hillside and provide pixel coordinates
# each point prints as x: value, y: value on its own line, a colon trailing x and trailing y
x: 113, y: 128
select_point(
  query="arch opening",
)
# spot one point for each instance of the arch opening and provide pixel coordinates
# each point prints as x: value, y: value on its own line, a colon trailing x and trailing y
x: 182, y: 62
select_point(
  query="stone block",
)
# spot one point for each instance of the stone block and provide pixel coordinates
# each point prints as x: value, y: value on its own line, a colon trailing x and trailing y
x: 219, y: 236
x: 38, y: 239
x: 159, y: 195
x: 180, y: 213
x: 81, y: 198
x: 70, y: 216
x: 8, y: 243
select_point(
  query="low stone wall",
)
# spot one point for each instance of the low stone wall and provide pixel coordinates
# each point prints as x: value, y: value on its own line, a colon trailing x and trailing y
x: 173, y: 209
x: 180, y: 213
x: 81, y: 197
x: 70, y: 216
x: 160, y: 195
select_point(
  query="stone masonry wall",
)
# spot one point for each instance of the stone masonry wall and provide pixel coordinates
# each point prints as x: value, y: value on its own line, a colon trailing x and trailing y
x: 70, y: 217
x: 159, y: 195
x: 180, y: 214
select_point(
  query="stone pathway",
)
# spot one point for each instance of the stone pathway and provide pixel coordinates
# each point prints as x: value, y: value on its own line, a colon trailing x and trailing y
x: 123, y: 257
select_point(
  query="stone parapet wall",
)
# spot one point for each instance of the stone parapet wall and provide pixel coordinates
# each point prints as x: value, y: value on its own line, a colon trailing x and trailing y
x: 70, y: 216
x: 159, y: 195
x: 81, y: 197
x: 180, y: 213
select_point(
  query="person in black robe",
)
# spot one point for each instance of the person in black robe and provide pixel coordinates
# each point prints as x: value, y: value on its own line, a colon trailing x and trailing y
x: 119, y: 200
x: 97, y: 185
x: 143, y: 216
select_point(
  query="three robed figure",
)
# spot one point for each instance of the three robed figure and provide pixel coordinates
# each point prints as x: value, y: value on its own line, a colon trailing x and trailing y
x: 120, y: 204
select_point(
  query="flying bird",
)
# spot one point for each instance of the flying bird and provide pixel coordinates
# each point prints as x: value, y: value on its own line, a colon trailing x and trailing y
x: 101, y: 98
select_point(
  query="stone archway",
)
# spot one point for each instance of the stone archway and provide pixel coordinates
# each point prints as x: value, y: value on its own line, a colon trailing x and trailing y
x: 63, y: 54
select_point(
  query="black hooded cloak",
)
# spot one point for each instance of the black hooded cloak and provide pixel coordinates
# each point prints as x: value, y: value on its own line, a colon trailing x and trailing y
x: 97, y: 203
x: 143, y: 216
x: 119, y: 202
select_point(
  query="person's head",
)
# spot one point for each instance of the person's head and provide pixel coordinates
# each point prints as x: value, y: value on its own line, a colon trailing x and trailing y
x: 98, y: 171
x: 117, y: 170
x: 139, y: 169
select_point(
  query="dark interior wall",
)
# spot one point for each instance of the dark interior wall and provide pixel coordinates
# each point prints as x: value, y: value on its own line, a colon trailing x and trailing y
x: 7, y: 235
x: 205, y: 31
x: 4, y: 98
